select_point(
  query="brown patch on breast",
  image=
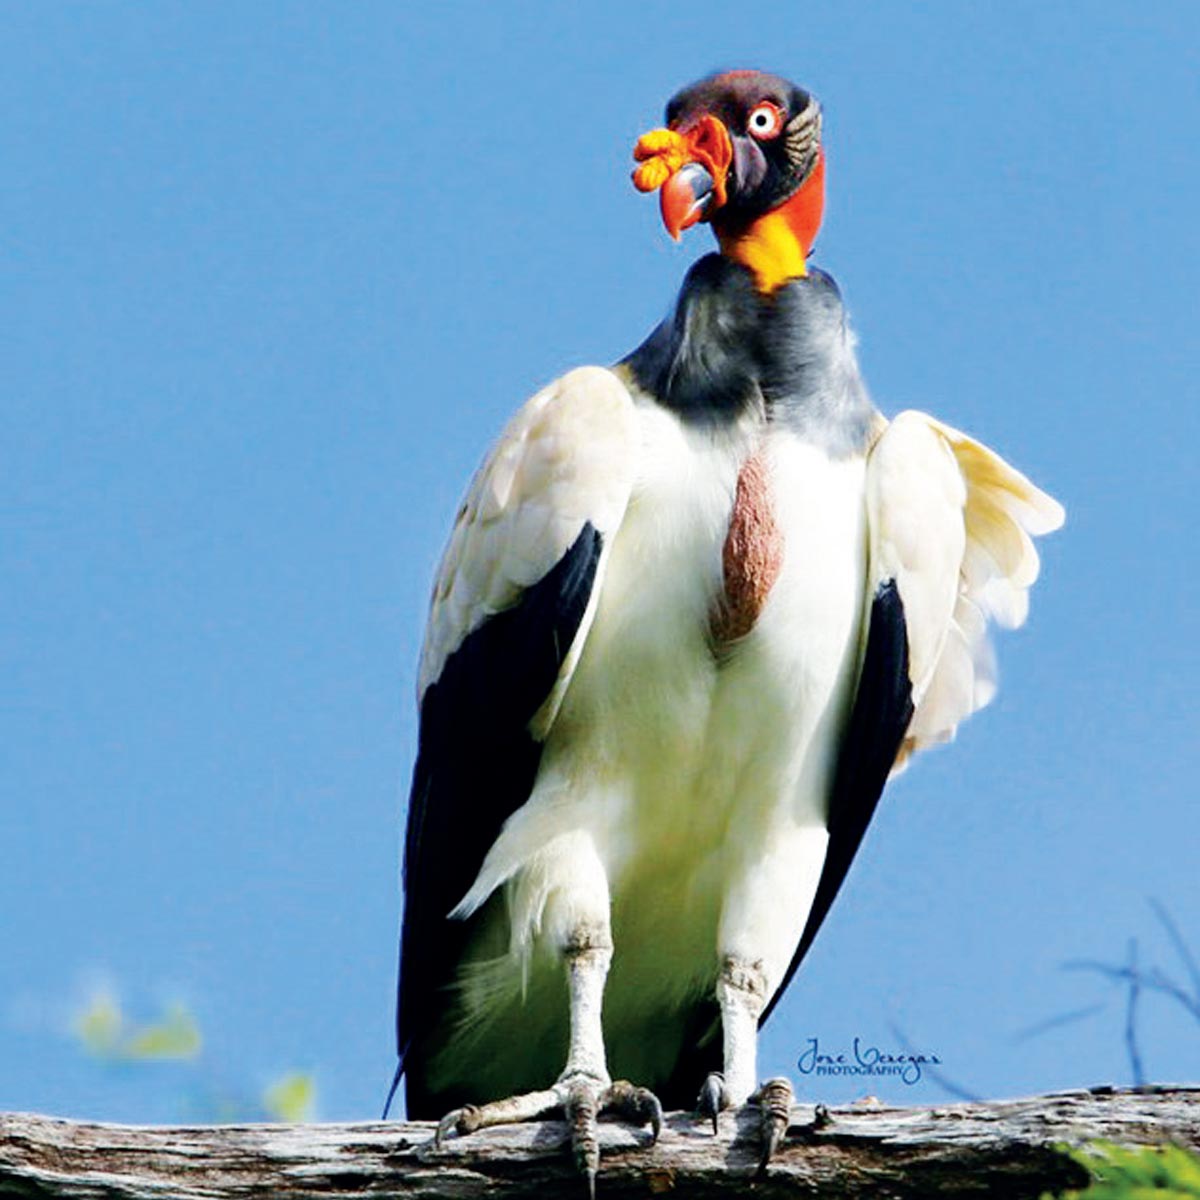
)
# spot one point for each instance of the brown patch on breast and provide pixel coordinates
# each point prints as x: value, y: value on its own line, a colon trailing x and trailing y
x: 752, y: 555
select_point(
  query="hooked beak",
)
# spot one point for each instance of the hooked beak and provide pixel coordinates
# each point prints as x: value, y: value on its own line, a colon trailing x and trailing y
x: 690, y: 166
x: 686, y: 198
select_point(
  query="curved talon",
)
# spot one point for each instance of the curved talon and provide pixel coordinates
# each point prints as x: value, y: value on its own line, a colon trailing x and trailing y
x: 656, y: 1114
x: 461, y: 1120
x: 447, y: 1123
x: 774, y: 1098
x: 581, y: 1098
x: 713, y: 1098
x: 638, y: 1105
x: 581, y: 1108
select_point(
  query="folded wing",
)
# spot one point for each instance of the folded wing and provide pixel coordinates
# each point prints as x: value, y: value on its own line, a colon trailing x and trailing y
x: 950, y: 549
x: 511, y: 607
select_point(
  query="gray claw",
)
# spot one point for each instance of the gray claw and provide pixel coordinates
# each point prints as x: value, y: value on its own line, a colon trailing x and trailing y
x: 461, y: 1121
x: 774, y: 1099
x: 444, y: 1126
x: 581, y: 1099
x: 713, y: 1098
x: 638, y: 1105
x: 656, y: 1116
x: 581, y: 1109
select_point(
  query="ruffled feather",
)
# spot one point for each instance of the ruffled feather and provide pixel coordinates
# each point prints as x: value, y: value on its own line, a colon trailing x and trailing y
x: 999, y: 512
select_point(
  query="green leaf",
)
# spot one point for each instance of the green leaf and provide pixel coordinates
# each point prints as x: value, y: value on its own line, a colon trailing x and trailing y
x: 291, y: 1098
x: 175, y: 1037
x: 106, y: 1033
x: 99, y: 1025
x: 1137, y: 1172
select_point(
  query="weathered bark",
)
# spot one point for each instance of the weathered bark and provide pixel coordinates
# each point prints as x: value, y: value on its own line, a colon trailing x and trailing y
x: 1005, y: 1148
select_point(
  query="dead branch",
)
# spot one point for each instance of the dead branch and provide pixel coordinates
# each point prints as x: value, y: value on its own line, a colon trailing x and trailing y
x: 1000, y: 1148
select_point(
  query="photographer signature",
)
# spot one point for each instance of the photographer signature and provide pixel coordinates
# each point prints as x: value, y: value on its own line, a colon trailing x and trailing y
x: 864, y: 1060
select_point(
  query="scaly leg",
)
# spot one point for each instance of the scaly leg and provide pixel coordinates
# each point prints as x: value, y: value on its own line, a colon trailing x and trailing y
x: 742, y: 995
x: 761, y: 923
x: 584, y: 1090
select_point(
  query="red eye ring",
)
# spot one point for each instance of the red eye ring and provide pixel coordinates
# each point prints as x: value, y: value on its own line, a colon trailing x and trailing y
x: 765, y: 121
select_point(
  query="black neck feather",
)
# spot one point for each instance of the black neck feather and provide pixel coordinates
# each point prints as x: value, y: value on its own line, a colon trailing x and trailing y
x: 728, y: 350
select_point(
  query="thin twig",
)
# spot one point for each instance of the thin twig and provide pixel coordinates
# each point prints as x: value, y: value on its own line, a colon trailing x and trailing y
x: 1160, y: 982
x: 1117, y: 974
x: 1067, y: 1018
x: 938, y: 1077
x: 1181, y: 948
x: 1131, y: 1043
x: 1156, y: 981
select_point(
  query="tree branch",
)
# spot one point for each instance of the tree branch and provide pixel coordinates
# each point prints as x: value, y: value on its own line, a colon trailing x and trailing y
x: 952, y: 1150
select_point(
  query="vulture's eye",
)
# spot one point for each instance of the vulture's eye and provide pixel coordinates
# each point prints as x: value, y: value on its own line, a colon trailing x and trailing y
x: 765, y: 121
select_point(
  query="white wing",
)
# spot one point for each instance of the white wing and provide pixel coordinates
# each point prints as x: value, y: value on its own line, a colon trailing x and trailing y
x: 511, y: 607
x: 565, y: 459
x: 951, y: 522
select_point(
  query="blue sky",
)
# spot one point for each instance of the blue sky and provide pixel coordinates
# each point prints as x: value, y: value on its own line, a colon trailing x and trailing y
x: 271, y: 278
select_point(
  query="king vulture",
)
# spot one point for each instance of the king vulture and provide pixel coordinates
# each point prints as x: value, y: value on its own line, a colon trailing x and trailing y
x: 696, y: 607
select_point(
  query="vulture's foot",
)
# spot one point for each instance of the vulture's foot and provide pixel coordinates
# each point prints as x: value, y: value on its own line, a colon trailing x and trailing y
x: 774, y: 1100
x: 586, y: 1101
x: 580, y: 1099
x: 714, y: 1099
x: 527, y: 1107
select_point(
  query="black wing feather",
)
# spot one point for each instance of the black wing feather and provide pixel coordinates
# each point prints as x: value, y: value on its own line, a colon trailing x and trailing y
x: 476, y: 765
x: 879, y: 718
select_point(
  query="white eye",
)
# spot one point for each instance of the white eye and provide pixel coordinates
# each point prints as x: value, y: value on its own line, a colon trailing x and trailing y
x: 765, y: 120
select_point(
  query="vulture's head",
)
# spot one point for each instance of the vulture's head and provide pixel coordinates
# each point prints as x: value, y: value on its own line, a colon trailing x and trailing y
x: 742, y: 151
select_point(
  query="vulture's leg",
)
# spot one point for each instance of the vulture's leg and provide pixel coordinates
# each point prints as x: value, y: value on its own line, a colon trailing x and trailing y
x: 742, y: 994
x: 584, y: 1085
x: 576, y: 917
x: 761, y: 923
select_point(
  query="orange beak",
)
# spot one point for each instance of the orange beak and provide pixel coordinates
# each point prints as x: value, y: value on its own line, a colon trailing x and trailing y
x: 690, y: 166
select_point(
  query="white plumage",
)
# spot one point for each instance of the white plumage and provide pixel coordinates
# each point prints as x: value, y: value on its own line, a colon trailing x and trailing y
x: 686, y: 794
x: 951, y: 521
x: 566, y: 457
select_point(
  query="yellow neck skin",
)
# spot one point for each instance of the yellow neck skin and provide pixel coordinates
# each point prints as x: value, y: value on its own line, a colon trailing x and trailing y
x: 770, y: 248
